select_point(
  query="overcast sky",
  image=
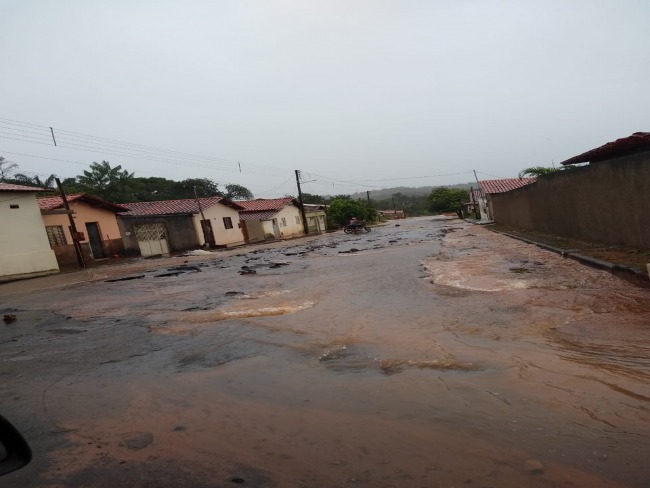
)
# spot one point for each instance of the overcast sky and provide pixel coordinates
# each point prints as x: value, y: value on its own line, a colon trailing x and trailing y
x: 356, y: 91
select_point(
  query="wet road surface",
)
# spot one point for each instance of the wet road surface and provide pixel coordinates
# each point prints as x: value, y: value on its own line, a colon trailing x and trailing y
x: 433, y: 353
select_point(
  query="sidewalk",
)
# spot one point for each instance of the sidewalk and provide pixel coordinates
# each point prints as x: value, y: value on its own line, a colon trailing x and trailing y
x: 626, y: 263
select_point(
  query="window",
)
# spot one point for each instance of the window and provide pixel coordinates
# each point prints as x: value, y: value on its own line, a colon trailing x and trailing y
x: 55, y: 235
x: 227, y: 222
x: 284, y: 222
x: 297, y: 219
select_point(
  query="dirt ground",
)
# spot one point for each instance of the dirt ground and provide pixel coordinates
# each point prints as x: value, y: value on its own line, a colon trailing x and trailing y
x: 427, y: 353
x: 619, y: 255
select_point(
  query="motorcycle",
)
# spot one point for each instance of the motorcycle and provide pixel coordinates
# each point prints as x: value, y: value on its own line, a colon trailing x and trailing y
x: 356, y: 227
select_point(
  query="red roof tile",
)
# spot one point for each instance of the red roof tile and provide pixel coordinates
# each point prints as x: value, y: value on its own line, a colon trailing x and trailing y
x: 504, y: 185
x: 12, y: 187
x: 637, y: 142
x: 50, y: 203
x: 266, y: 204
x: 175, y: 207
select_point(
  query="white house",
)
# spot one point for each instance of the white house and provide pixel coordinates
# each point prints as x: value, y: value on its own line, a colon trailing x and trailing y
x: 175, y: 225
x: 24, y: 246
x: 273, y: 218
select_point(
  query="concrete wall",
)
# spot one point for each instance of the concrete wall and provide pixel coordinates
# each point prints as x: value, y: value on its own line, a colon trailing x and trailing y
x: 24, y: 247
x: 222, y: 236
x: 181, y: 232
x: 606, y: 202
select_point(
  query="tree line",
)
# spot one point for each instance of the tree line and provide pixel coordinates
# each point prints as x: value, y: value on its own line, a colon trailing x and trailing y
x: 117, y: 185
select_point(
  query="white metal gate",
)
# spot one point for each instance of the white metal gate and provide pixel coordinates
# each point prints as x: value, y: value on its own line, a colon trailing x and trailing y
x: 152, y: 239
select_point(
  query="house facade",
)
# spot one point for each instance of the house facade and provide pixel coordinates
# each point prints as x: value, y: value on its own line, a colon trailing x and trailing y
x: 24, y: 247
x: 162, y: 227
x: 96, y: 223
x: 492, y: 187
x: 274, y: 218
x: 316, y: 218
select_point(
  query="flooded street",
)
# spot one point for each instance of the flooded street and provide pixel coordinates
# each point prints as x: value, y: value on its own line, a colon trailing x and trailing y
x: 429, y: 354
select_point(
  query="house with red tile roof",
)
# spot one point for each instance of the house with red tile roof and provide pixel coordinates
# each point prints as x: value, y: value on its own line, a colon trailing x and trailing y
x: 24, y: 248
x: 163, y: 227
x: 490, y: 187
x: 270, y: 218
x: 96, y: 223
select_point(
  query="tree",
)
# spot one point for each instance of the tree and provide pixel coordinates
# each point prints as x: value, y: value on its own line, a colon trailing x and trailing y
x: 444, y: 199
x: 535, y: 171
x: 7, y: 168
x: 238, y: 192
x: 104, y: 181
x: 205, y: 188
x: 340, y: 212
x: 35, y: 180
x: 313, y: 199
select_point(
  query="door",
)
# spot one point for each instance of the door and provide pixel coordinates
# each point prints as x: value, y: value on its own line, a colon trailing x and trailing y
x: 152, y: 239
x: 276, y: 228
x: 95, y: 239
x: 244, y: 230
x: 208, y: 235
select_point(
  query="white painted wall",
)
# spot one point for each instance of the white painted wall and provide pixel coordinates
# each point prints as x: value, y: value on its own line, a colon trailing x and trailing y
x: 293, y: 226
x: 24, y: 247
x: 222, y: 236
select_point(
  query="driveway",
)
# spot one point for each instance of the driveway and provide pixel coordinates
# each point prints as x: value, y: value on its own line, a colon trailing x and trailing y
x: 426, y: 353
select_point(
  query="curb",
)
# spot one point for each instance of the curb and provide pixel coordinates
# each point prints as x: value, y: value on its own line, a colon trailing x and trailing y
x: 632, y: 275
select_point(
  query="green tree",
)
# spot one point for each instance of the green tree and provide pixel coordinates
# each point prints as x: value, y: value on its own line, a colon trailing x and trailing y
x: 35, y: 180
x: 535, y: 171
x: 238, y: 192
x: 340, y: 212
x: 444, y: 199
x: 110, y: 183
x: 313, y: 199
x: 205, y: 187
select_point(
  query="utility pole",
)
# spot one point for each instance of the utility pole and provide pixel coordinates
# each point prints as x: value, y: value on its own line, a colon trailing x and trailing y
x: 203, y: 223
x: 368, y: 195
x: 305, y: 225
x: 73, y: 228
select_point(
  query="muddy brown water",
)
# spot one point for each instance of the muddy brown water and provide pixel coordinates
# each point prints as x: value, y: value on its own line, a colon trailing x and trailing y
x: 430, y: 354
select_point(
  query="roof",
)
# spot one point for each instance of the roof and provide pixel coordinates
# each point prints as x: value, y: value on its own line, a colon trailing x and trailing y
x: 504, y: 185
x: 266, y: 204
x: 263, y: 215
x: 12, y: 187
x: 174, y: 207
x: 50, y: 203
x: 637, y: 142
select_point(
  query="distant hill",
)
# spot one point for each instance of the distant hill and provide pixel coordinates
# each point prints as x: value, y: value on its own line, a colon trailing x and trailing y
x: 408, y: 191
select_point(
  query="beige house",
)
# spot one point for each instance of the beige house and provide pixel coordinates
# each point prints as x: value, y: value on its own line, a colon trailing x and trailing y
x: 96, y: 225
x: 162, y: 227
x: 24, y: 248
x: 273, y: 218
x: 316, y: 218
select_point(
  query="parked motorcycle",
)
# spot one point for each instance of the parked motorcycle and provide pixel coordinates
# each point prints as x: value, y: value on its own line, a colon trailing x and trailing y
x: 356, y: 227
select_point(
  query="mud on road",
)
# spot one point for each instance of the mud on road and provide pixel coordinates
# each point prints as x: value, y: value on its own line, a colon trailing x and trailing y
x: 433, y: 353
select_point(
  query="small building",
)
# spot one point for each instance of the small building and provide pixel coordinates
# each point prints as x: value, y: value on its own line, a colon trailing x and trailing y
x: 162, y: 227
x: 273, y: 218
x: 391, y: 214
x: 490, y: 187
x: 24, y: 249
x: 316, y: 218
x: 96, y: 225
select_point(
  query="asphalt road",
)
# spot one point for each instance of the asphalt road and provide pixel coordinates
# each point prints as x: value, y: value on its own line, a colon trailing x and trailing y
x: 433, y: 353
